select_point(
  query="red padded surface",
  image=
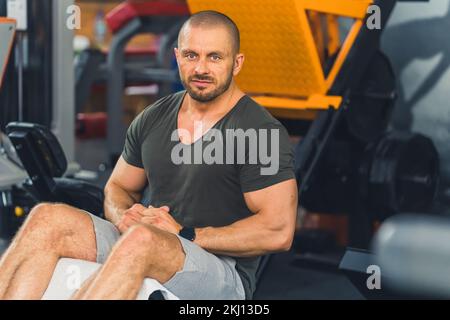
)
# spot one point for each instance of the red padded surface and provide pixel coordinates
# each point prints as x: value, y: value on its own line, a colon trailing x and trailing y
x: 129, y: 10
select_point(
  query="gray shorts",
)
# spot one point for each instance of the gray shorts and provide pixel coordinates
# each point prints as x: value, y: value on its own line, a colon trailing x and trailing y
x: 204, y: 276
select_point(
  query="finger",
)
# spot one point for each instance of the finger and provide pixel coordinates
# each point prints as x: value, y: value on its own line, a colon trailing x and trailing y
x: 166, y: 216
x: 149, y: 220
x: 122, y: 228
x: 134, y: 215
x: 165, y: 208
x: 127, y: 222
x: 133, y: 212
x: 148, y: 213
x: 153, y: 212
x: 164, y: 213
x: 130, y: 219
x: 138, y: 207
x: 166, y: 226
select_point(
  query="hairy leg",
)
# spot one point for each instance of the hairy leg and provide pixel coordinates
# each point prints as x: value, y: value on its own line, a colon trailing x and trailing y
x: 142, y: 252
x: 50, y: 232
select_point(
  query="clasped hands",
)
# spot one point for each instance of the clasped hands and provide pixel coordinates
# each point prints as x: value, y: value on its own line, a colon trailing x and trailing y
x: 157, y: 217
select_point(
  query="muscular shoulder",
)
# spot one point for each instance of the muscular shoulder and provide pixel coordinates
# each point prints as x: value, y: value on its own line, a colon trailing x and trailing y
x: 158, y: 111
x: 251, y: 115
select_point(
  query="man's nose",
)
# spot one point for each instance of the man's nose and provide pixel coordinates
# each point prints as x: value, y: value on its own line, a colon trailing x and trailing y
x: 201, y: 67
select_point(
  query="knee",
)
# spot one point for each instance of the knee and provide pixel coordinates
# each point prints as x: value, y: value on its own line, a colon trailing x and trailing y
x: 140, y: 234
x: 49, y: 218
x: 41, y: 214
x: 137, y: 238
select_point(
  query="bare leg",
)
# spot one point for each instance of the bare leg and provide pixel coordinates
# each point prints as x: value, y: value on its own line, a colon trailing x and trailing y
x: 85, y: 286
x: 51, y: 231
x: 143, y: 252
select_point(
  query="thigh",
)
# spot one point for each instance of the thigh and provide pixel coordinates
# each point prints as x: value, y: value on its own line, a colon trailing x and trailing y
x: 206, y: 276
x: 59, y: 228
x: 106, y: 235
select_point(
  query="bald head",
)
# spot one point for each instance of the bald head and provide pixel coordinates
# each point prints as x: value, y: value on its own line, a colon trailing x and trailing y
x: 213, y: 19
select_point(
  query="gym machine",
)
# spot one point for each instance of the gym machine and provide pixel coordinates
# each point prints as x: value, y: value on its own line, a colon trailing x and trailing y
x: 414, y: 265
x: 35, y: 90
x: 409, y: 255
x: 338, y: 96
x: 39, y: 157
x: 118, y: 67
x: 10, y: 173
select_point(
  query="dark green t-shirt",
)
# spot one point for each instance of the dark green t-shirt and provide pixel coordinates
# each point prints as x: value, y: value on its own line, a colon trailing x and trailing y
x: 204, y: 183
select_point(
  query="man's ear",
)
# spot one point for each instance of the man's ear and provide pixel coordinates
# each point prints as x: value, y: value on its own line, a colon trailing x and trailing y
x: 238, y: 62
x: 177, y: 56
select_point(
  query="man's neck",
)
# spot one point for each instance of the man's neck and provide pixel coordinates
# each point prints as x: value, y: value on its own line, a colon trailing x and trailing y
x: 218, y: 106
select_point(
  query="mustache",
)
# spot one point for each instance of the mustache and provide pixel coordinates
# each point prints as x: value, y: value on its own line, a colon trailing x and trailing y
x: 201, y: 78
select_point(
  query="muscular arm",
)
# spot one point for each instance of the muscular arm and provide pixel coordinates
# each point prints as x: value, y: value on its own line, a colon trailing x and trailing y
x: 270, y: 229
x: 123, y: 190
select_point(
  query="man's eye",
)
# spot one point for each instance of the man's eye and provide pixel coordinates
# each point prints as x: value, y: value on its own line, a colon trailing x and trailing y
x: 190, y: 56
x: 215, y: 57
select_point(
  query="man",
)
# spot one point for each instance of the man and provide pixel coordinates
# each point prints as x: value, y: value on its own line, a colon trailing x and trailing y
x: 210, y: 221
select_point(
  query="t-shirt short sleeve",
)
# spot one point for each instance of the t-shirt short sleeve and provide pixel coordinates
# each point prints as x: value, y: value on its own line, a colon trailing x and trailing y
x: 132, y: 150
x: 273, y: 162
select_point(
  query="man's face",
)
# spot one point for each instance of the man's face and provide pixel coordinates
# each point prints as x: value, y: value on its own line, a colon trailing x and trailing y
x: 206, y: 62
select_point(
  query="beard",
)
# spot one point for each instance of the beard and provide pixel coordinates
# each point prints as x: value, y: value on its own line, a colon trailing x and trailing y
x: 204, y: 97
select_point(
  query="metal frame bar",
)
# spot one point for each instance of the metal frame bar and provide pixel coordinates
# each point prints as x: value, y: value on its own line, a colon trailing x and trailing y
x: 63, y: 100
x: 343, y: 53
x: 347, y: 8
x: 116, y: 75
x: 11, y: 22
x: 360, y: 54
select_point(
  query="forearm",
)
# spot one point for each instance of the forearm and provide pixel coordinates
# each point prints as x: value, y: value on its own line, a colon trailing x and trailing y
x: 252, y: 236
x: 117, y: 201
